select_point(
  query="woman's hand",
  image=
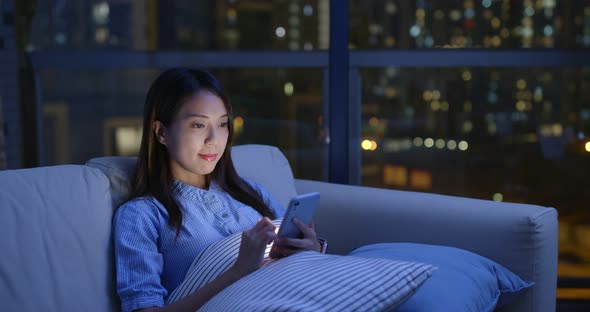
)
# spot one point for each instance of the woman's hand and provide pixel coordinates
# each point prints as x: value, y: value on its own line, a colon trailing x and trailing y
x: 309, y: 241
x: 253, y: 246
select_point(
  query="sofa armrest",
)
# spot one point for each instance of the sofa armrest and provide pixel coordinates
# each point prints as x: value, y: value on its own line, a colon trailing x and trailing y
x: 521, y: 237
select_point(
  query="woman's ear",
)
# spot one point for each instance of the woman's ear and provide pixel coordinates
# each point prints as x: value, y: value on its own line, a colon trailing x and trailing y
x: 159, y: 132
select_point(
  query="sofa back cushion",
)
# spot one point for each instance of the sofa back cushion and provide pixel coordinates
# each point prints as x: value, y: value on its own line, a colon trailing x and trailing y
x: 261, y: 163
x: 268, y: 166
x: 55, y: 237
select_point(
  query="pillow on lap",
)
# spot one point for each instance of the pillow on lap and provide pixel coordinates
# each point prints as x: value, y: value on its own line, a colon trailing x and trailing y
x: 310, y: 281
x: 210, y: 263
x: 306, y: 281
x: 464, y: 280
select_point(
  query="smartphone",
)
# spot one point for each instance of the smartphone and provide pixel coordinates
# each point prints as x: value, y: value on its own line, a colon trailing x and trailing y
x: 301, y: 207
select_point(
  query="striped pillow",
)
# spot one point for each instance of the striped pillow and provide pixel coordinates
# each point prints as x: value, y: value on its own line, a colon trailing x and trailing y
x: 310, y: 281
x: 210, y: 263
x: 306, y: 281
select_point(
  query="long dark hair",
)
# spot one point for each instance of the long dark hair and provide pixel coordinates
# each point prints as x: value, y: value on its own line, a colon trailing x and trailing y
x: 153, y: 176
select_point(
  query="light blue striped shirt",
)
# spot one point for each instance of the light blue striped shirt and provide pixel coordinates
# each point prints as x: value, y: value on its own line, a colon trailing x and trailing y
x: 150, y: 263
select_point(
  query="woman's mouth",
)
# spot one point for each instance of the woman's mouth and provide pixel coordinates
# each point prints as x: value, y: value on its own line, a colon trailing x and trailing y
x: 208, y: 157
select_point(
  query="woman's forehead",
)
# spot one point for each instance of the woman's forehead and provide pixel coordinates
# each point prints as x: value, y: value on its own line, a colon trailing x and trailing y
x: 203, y: 104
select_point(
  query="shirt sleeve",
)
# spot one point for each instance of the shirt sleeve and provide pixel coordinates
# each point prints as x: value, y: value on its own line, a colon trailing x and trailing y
x: 267, y: 198
x: 139, y: 263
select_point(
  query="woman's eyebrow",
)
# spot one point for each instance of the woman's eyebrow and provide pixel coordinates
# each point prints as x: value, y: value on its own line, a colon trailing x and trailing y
x: 191, y: 115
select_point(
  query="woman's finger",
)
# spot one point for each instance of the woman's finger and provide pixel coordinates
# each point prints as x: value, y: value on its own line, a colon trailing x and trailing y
x: 291, y: 242
x: 263, y: 224
x: 307, y: 230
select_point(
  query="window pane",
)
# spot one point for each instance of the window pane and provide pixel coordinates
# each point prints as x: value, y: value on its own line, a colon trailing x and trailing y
x: 180, y: 25
x: 99, y: 113
x: 502, y: 24
x: 506, y: 134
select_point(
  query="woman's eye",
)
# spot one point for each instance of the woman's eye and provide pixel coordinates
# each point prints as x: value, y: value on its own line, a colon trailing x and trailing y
x: 198, y: 125
x: 224, y: 124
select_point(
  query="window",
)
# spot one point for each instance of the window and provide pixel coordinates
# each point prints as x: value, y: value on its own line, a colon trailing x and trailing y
x: 97, y: 113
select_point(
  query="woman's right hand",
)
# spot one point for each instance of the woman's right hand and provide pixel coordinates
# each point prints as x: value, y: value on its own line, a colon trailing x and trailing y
x: 253, y: 246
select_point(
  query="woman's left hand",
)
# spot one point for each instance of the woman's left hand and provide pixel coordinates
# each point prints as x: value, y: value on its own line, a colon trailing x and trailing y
x: 309, y: 242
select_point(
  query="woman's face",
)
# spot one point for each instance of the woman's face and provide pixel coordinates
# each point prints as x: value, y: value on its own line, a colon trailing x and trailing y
x: 196, y: 138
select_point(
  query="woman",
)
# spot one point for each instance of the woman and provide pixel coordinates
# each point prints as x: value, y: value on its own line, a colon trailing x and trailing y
x: 187, y: 195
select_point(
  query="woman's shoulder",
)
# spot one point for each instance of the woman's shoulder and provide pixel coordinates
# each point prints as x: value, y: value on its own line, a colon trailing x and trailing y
x: 143, y: 206
x: 137, y: 221
x: 143, y: 202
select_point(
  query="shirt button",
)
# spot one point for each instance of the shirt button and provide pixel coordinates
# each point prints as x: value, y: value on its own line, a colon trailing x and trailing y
x: 225, y: 215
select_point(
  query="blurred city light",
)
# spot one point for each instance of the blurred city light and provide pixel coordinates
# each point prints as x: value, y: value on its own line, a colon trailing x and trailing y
x: 280, y: 32
x: 288, y: 88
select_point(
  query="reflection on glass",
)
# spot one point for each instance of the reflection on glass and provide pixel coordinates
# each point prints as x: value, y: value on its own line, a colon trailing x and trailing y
x: 179, y: 25
x: 508, y: 24
x: 88, y: 115
x: 504, y: 134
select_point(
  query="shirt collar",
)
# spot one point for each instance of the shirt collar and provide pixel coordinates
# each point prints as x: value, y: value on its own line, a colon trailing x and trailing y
x: 187, y: 191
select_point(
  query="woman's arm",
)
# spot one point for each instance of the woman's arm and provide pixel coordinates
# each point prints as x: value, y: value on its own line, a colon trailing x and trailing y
x: 252, y: 249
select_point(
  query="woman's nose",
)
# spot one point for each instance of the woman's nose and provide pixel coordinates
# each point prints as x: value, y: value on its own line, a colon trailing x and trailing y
x: 212, y: 136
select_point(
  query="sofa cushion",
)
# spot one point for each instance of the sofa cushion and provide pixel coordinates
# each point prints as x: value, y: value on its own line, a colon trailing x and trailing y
x: 261, y: 163
x: 119, y: 171
x: 464, y: 280
x: 268, y: 166
x: 56, y: 240
x: 306, y: 281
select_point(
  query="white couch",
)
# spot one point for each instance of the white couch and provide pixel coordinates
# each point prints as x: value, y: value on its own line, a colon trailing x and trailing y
x: 55, y: 229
